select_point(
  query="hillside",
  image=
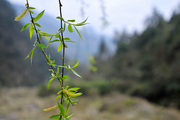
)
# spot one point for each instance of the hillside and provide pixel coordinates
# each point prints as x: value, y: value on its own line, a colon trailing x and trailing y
x: 14, y: 47
x: 148, y: 63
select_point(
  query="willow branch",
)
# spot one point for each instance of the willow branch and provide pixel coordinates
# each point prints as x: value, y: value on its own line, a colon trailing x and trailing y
x: 38, y: 40
x: 62, y: 85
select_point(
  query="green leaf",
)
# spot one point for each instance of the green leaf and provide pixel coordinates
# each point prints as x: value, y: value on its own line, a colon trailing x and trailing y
x: 66, y: 46
x: 69, y: 41
x: 41, y: 45
x: 31, y: 8
x: 77, y: 94
x: 50, y: 82
x: 76, y: 73
x: 64, y: 26
x: 29, y: 54
x: 56, y: 40
x: 60, y: 47
x: 46, y: 34
x: 78, y: 33
x: 57, y: 116
x: 31, y: 12
x: 60, y: 92
x: 32, y: 56
x: 82, y: 23
x: 70, y: 116
x: 46, y: 37
x: 60, y: 18
x: 67, y: 108
x: 56, y: 35
x: 70, y: 28
x: 59, y: 96
x: 67, y: 71
x: 76, y: 64
x: 66, y: 86
x: 61, y: 109
x: 73, y: 89
x: 66, y: 38
x: 71, y: 20
x: 40, y: 36
x: 25, y: 26
x: 38, y: 16
x: 74, y: 102
x: 57, y: 70
x: 37, y: 24
x: 31, y: 31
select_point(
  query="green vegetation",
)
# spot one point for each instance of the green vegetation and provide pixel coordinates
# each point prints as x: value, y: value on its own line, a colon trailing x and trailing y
x: 65, y: 94
x: 148, y: 63
x: 14, y: 47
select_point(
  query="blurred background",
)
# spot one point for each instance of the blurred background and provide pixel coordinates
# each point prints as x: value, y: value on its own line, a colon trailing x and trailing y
x: 134, y: 73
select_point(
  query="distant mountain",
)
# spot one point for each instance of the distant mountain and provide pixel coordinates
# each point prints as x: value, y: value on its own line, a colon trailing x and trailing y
x: 14, y: 47
x: 75, y: 51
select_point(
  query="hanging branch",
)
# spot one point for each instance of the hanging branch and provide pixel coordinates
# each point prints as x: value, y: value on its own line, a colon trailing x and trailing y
x: 66, y: 94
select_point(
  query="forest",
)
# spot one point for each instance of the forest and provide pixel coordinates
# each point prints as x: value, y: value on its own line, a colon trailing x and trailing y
x: 147, y: 64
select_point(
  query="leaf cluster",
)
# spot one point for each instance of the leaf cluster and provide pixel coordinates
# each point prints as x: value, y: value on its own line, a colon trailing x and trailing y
x: 67, y: 94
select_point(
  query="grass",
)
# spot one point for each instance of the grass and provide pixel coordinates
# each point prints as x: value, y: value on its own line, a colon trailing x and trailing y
x: 25, y: 104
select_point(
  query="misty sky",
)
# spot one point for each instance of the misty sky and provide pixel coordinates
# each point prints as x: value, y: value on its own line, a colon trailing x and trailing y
x: 121, y: 14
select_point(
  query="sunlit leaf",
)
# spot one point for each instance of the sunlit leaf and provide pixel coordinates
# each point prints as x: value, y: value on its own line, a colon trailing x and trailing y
x: 78, y: 33
x: 60, y: 47
x: 60, y: 92
x: 77, y: 94
x: 82, y: 23
x: 37, y: 24
x: 76, y: 64
x: 67, y: 108
x: 31, y: 31
x: 71, y: 20
x: 61, y: 109
x: 67, y: 87
x: 64, y: 26
x: 74, y: 102
x: 31, y: 8
x: 46, y: 34
x: 70, y: 28
x: 59, y: 96
x: 73, y: 89
x: 57, y: 71
x: 70, y: 116
x: 32, y: 56
x: 38, y: 16
x: 56, y: 40
x: 40, y: 36
x: 76, y: 73
x: 66, y: 38
x: 60, y: 18
x: 25, y: 26
x: 50, y: 82
x: 31, y: 12
x: 42, y: 45
x: 54, y: 116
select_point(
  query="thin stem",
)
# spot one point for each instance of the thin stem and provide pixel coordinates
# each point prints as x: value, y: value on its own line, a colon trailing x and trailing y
x: 62, y: 85
x: 38, y: 40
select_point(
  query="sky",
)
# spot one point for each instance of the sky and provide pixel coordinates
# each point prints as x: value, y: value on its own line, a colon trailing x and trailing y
x: 121, y: 14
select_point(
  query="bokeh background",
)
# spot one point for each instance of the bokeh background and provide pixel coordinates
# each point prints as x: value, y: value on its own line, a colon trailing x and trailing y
x: 136, y: 50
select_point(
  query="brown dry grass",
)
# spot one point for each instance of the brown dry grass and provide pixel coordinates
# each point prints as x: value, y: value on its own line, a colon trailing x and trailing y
x: 24, y: 104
